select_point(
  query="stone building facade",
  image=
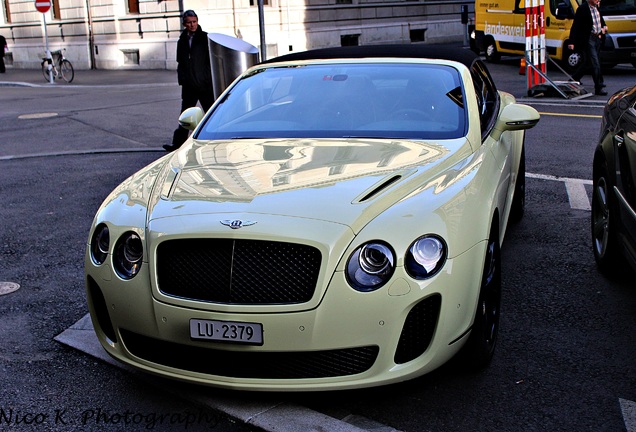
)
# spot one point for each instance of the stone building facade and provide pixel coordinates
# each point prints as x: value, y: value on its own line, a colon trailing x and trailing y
x: 129, y: 34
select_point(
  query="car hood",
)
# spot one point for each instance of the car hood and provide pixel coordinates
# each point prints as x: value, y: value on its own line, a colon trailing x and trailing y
x: 329, y: 180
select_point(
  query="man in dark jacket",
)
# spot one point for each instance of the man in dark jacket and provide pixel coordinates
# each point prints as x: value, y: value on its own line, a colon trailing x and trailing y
x: 586, y: 37
x: 193, y: 71
x: 3, y: 46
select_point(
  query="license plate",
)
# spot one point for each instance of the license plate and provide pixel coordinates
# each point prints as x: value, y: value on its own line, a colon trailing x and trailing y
x: 227, y: 331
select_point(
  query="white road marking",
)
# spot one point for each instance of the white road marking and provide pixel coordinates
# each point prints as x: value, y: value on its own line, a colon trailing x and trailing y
x: 578, y: 196
x: 575, y: 188
x: 629, y: 414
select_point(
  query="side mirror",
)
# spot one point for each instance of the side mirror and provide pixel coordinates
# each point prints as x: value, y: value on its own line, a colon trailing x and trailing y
x: 190, y: 118
x: 515, y: 117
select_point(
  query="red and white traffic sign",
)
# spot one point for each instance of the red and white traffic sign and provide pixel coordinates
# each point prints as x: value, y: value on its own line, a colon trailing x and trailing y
x: 43, y: 5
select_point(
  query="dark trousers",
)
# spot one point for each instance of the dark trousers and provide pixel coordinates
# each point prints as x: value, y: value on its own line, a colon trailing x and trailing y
x: 590, y: 60
x: 594, y: 49
x: 3, y: 69
x: 190, y: 96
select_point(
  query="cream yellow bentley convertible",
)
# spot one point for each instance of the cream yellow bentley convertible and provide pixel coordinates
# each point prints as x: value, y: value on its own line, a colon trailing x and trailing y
x: 334, y: 221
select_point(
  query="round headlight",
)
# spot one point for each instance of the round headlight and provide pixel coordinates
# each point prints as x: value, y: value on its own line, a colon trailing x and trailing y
x: 425, y: 257
x: 370, y: 266
x: 100, y: 242
x: 128, y: 255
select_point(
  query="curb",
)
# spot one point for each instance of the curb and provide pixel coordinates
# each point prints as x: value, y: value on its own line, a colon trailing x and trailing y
x: 274, y: 416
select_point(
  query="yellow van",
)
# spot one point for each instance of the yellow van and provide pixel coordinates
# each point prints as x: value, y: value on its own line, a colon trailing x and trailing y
x: 499, y: 28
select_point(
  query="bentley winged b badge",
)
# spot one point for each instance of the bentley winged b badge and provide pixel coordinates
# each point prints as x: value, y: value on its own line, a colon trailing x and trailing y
x: 237, y: 223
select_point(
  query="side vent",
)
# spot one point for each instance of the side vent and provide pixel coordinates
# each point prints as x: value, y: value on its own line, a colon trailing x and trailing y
x: 418, y: 329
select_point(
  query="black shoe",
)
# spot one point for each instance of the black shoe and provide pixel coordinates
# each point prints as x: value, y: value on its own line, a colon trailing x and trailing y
x: 170, y: 147
x: 600, y: 92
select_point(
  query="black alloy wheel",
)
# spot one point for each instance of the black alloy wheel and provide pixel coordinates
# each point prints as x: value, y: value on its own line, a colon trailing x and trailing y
x: 603, y: 235
x: 480, y: 347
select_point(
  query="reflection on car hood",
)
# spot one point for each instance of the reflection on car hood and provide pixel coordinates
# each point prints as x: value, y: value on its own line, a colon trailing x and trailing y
x: 333, y: 180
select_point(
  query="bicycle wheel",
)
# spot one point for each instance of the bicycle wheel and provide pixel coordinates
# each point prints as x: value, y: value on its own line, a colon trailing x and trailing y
x: 45, y: 70
x: 67, y: 71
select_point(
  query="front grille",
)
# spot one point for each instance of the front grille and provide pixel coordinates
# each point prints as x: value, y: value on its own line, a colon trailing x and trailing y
x: 238, y: 271
x: 418, y: 329
x: 241, y: 364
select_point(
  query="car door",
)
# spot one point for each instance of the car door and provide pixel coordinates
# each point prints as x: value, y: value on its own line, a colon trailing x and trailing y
x: 489, y: 104
x: 625, y: 163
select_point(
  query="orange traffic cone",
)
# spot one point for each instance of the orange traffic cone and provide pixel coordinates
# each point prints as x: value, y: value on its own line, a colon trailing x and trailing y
x: 522, y: 67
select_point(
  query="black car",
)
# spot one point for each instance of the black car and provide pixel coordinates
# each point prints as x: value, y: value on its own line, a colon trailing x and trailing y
x: 614, y: 196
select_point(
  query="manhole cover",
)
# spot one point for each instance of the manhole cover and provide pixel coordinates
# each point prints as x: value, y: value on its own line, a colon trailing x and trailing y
x: 8, y: 287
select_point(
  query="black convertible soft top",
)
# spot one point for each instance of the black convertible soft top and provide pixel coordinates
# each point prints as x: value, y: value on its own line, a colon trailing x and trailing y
x: 460, y: 55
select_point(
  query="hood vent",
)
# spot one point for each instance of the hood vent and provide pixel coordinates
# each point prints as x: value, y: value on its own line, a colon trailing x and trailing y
x: 382, y: 186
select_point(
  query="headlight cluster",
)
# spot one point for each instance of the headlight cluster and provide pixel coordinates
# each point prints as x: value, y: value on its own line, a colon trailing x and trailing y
x: 372, y: 264
x: 127, y: 253
x: 99, y: 244
x: 425, y: 257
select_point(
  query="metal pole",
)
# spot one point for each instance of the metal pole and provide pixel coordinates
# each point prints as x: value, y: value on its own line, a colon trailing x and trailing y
x: 49, y: 58
x: 91, y: 37
x: 261, y: 26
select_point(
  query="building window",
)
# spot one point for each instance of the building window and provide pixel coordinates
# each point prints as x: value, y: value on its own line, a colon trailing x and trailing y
x: 133, y: 6
x: 131, y: 56
x: 349, y: 40
x: 417, y: 35
x: 55, y: 9
x: 7, y: 11
x: 255, y: 2
x: 344, y: 1
x: 280, y: 180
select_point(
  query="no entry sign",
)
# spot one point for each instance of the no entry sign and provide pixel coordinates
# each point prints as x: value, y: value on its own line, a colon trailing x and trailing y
x: 43, y: 5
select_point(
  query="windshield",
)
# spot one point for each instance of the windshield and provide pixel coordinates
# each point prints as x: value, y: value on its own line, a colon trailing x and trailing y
x: 341, y: 101
x: 618, y: 7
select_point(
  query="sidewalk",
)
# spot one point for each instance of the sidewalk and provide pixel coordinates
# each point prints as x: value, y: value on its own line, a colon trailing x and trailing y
x: 93, y: 77
x: 505, y: 75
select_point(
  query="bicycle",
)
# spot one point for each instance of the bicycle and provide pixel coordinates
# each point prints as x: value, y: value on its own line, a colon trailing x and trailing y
x: 60, y: 68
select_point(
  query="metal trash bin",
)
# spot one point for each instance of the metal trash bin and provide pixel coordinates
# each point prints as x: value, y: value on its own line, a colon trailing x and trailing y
x: 229, y: 57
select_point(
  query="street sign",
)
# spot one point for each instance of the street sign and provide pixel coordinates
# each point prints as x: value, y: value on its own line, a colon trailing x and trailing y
x: 43, y: 5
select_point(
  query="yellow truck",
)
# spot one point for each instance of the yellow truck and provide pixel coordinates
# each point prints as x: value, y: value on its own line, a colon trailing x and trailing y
x: 499, y: 28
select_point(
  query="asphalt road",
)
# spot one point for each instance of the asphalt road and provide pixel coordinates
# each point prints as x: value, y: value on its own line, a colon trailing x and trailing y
x: 565, y: 359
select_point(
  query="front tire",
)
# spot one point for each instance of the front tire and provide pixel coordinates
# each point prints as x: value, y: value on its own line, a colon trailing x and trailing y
x: 477, y: 354
x: 572, y: 60
x: 604, y: 242
x: 492, y: 55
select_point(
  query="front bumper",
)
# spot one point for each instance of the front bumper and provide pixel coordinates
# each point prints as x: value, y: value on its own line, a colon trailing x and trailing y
x: 617, y: 49
x: 350, y: 340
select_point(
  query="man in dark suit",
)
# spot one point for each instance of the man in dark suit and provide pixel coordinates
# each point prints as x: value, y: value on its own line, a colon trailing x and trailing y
x: 586, y: 38
x: 3, y: 47
x: 193, y: 72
